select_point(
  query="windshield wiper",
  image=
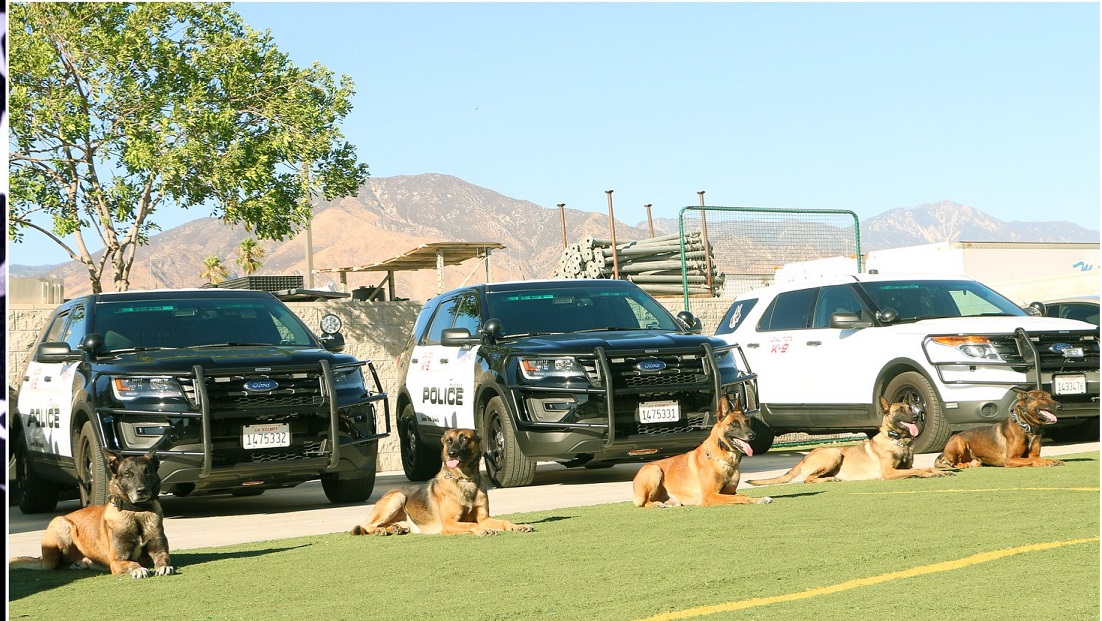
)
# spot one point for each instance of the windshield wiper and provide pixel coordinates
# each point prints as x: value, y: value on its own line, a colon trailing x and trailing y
x: 130, y: 350
x: 232, y: 344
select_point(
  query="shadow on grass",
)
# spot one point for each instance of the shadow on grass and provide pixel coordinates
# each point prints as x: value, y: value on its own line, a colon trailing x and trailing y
x: 25, y: 582
x: 552, y: 518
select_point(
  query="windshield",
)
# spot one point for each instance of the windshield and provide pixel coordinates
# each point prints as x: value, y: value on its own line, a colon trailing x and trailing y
x: 198, y: 322
x: 926, y: 299
x: 577, y: 310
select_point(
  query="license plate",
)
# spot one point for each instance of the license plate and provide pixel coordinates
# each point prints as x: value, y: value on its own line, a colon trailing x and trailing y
x: 265, y: 436
x: 659, y: 412
x: 1069, y: 384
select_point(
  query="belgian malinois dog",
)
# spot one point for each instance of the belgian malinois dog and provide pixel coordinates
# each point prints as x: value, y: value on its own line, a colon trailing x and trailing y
x: 1013, y: 442
x: 453, y: 502
x: 707, y: 475
x: 125, y: 536
x: 887, y: 455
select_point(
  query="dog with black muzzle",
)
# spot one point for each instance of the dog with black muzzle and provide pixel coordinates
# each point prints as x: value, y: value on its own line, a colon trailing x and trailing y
x: 1012, y: 443
x: 707, y: 475
x: 455, y: 501
x: 125, y: 536
x: 887, y: 455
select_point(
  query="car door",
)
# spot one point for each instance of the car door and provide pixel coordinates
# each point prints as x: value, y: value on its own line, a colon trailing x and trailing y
x: 46, y: 396
x: 441, y: 378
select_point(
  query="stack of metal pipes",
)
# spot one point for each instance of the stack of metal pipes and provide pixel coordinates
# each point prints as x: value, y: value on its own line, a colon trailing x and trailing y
x: 653, y: 264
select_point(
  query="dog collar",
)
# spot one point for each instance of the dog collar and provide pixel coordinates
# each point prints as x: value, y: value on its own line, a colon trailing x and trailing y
x: 449, y: 475
x: 708, y: 454
x: 123, y: 505
x: 1025, y: 426
x: 896, y: 437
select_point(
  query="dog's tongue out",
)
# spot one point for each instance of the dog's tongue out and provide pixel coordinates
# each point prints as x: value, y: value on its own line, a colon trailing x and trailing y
x: 1049, y: 417
x: 452, y: 463
x: 911, y: 427
x: 743, y: 447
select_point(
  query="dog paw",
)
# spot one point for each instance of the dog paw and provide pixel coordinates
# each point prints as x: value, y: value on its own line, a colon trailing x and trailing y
x: 165, y: 570
x: 140, y: 572
x: 764, y: 500
x: 1054, y: 462
x: 521, y: 528
x: 484, y: 532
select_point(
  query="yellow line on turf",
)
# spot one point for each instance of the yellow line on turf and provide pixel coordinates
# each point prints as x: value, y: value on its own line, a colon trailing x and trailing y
x: 923, y: 570
x: 992, y: 489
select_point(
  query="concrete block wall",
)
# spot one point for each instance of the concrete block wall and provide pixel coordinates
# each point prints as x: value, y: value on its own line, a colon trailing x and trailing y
x: 375, y: 331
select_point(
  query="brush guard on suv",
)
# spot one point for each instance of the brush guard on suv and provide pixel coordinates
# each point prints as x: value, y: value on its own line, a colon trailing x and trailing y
x: 219, y: 397
x: 609, y: 377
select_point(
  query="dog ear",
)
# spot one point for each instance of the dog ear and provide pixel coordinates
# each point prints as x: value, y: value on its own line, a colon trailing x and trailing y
x: 884, y: 405
x: 724, y: 407
x: 113, y: 460
x: 153, y: 459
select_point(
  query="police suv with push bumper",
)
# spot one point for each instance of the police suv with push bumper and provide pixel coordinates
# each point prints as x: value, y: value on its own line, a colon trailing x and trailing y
x: 583, y: 372
x: 230, y: 388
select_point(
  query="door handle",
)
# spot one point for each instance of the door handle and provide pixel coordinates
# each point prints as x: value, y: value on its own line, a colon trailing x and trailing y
x: 814, y: 343
x: 751, y: 345
x: 443, y: 361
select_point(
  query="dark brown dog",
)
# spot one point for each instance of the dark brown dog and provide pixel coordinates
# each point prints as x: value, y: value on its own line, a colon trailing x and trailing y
x: 707, y: 475
x: 887, y: 455
x: 455, y: 501
x: 1013, y: 443
x: 126, y: 535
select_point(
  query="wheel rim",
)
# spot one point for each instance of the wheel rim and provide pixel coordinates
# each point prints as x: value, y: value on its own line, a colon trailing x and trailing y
x: 496, y: 450
x: 86, y: 478
x: 411, y: 444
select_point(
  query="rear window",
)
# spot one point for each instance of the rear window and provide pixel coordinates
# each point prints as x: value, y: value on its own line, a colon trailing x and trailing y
x: 735, y: 316
x: 789, y: 311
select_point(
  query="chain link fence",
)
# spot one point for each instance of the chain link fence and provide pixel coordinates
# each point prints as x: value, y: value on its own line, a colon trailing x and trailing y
x: 749, y: 244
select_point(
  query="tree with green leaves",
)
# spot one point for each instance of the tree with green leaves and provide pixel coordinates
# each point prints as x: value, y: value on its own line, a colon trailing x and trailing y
x: 118, y: 110
x: 249, y: 254
x: 213, y: 270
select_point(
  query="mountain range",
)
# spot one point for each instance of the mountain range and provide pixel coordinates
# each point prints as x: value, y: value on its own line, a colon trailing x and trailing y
x: 391, y: 215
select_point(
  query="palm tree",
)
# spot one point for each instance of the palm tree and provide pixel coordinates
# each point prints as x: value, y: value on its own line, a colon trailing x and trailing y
x: 249, y: 254
x: 213, y: 270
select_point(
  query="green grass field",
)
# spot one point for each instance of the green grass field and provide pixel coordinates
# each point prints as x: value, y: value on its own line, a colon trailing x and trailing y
x: 960, y: 547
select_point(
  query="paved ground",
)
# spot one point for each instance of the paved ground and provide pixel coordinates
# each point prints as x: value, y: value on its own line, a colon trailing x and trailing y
x: 304, y: 510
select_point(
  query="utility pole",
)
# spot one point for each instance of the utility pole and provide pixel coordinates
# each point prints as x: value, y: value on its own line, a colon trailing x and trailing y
x: 612, y: 227
x: 650, y: 223
x: 562, y: 221
x: 707, y: 249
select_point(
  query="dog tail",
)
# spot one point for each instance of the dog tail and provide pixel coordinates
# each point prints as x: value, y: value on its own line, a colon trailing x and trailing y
x: 358, y: 530
x: 784, y: 478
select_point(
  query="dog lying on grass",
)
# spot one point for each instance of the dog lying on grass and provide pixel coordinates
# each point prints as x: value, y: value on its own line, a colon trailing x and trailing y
x: 707, y: 475
x: 124, y: 536
x: 887, y: 455
x: 453, y: 502
x: 1014, y: 442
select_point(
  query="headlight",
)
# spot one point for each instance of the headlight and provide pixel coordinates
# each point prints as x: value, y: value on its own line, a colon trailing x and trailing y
x: 978, y: 347
x: 130, y: 388
x: 726, y: 360
x: 542, y: 368
x: 348, y: 378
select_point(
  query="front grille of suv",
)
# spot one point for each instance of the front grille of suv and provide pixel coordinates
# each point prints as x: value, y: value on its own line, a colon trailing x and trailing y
x: 684, y: 370
x: 1048, y: 345
x: 228, y: 393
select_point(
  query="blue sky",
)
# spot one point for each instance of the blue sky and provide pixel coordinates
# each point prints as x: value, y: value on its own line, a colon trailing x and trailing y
x: 862, y: 106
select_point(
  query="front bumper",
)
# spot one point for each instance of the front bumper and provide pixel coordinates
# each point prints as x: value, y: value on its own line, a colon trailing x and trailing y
x: 200, y: 442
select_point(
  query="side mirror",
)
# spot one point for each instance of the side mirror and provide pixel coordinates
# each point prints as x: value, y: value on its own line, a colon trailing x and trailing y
x: 847, y: 321
x: 56, y: 352
x: 333, y: 342
x: 458, y: 337
x: 692, y: 323
x: 887, y: 315
x: 1037, y: 309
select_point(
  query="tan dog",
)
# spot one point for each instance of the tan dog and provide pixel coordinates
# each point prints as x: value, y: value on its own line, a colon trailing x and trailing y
x: 1013, y: 443
x: 125, y: 535
x: 455, y: 501
x: 707, y: 475
x: 887, y: 455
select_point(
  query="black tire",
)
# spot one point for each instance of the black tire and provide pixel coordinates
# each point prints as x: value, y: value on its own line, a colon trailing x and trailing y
x: 358, y: 489
x: 505, y: 463
x: 33, y: 493
x: 92, y: 471
x: 419, y: 461
x: 763, y: 435
x: 913, y: 387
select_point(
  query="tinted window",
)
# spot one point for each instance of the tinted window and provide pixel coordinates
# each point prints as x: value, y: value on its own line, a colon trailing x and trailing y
x: 74, y: 331
x: 735, y: 316
x: 789, y: 311
x: 836, y: 299
x: 467, y: 315
x: 442, y: 320
x: 575, y: 309
x: 926, y: 299
x: 198, y: 322
x: 53, y: 333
